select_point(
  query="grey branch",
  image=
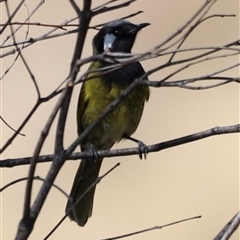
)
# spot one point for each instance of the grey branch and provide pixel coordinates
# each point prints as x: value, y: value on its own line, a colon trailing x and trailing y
x: 8, y: 163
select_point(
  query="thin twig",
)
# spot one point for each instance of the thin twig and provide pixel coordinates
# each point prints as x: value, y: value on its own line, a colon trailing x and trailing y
x: 11, y: 17
x: 97, y: 26
x: 28, y: 117
x: 152, y: 228
x: 23, y: 59
x: 108, y: 9
x: 38, y: 24
x: 34, y: 178
x: 26, y: 20
x: 11, y: 127
x: 184, y: 83
x: 19, y: 53
x: 197, y: 24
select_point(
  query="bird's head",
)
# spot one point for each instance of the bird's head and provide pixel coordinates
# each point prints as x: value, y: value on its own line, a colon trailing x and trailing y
x: 116, y: 36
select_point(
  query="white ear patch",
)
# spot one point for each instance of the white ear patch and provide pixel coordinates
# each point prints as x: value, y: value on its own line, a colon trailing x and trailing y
x: 108, y: 42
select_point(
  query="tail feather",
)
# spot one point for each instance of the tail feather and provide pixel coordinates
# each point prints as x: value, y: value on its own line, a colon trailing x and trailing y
x: 86, y: 175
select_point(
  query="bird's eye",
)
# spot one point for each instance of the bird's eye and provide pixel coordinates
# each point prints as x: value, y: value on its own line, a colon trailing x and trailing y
x: 117, y: 32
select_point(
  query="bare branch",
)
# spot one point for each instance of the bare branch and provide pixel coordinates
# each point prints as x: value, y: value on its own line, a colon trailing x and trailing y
x: 23, y: 59
x: 229, y: 229
x: 19, y: 52
x: 105, y: 9
x: 26, y: 20
x: 30, y: 215
x: 11, y: 127
x: 10, y: 140
x: 34, y: 178
x: 201, y: 12
x: 38, y: 24
x: 7, y: 163
x: 194, y: 27
x: 11, y: 17
x: 126, y: 17
x: 152, y: 228
x: 36, y: 153
x: 184, y: 83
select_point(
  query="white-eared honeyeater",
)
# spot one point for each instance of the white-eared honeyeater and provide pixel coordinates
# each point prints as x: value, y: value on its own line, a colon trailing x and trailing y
x: 95, y: 96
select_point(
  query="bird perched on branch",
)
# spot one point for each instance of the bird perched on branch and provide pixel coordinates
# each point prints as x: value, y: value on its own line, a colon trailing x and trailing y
x: 95, y: 96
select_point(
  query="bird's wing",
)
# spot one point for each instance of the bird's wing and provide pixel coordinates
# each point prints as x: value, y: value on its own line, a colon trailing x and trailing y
x: 82, y: 105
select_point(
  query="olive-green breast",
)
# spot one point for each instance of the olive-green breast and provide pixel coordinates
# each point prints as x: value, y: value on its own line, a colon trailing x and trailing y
x: 98, y: 93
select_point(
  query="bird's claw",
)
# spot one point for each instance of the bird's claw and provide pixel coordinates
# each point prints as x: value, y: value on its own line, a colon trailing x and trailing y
x: 92, y: 151
x: 142, y: 150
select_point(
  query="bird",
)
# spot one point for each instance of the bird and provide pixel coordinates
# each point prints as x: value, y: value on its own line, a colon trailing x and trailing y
x: 95, y: 96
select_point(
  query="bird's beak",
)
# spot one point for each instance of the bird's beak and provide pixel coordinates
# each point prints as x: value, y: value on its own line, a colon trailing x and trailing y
x: 138, y: 27
x: 142, y: 25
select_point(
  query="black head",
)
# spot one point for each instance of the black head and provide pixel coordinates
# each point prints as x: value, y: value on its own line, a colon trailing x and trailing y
x: 116, y: 36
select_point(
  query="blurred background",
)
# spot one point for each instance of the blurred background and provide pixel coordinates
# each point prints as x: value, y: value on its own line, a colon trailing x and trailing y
x: 200, y: 178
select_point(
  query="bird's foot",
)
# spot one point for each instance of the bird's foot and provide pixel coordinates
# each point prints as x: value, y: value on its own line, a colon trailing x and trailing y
x: 142, y: 148
x: 143, y: 151
x: 92, y: 151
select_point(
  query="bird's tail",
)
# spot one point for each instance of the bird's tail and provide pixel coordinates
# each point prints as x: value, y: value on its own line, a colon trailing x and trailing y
x: 86, y: 175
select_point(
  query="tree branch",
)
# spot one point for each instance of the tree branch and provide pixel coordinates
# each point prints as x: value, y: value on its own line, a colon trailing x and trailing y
x: 229, y: 229
x: 152, y: 228
x: 8, y: 163
x: 30, y: 215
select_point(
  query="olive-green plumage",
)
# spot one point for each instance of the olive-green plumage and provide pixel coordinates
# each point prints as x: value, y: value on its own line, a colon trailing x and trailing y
x: 95, y: 96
